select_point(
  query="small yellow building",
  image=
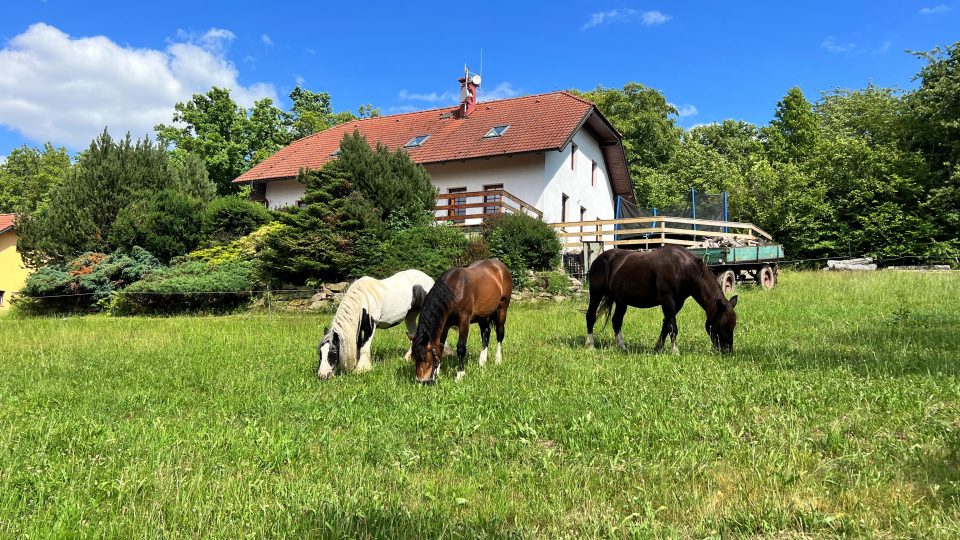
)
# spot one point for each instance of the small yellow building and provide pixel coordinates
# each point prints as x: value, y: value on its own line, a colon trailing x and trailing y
x: 13, y: 274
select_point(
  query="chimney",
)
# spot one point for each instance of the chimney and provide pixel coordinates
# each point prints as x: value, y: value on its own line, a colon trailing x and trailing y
x: 468, y: 92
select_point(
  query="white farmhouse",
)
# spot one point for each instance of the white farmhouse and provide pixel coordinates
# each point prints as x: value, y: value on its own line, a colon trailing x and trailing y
x: 549, y: 154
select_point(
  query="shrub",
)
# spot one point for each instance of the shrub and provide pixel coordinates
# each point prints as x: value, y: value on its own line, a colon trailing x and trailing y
x: 432, y: 249
x: 85, y: 283
x: 190, y: 286
x: 241, y: 249
x: 477, y: 249
x: 522, y: 242
x: 229, y: 218
x: 166, y: 224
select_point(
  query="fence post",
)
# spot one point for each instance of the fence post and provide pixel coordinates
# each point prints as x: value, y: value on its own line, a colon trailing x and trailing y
x: 726, y: 211
x: 693, y: 205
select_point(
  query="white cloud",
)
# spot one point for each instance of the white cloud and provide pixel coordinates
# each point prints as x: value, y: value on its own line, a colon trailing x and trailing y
x: 702, y: 124
x: 63, y: 89
x: 432, y: 97
x: 397, y: 109
x: 832, y: 45
x: 685, y: 110
x: 649, y: 18
x: 884, y: 48
x: 653, y: 18
x: 300, y: 80
x: 503, y: 90
x: 935, y: 10
x: 310, y: 51
x: 266, y: 40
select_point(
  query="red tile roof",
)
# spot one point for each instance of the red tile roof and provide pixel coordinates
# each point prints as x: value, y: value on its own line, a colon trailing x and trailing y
x: 6, y: 222
x: 537, y: 123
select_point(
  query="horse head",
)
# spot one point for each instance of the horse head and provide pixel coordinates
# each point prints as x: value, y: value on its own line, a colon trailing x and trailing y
x: 426, y: 358
x: 329, y: 352
x: 721, y: 323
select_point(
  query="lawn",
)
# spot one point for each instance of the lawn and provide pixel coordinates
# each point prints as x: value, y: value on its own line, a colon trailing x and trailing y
x: 838, y: 414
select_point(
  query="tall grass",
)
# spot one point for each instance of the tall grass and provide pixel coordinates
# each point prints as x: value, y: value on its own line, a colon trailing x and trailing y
x: 838, y: 414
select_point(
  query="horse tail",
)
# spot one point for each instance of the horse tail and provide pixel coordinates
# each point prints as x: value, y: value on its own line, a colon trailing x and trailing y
x: 600, y: 287
x: 604, y: 310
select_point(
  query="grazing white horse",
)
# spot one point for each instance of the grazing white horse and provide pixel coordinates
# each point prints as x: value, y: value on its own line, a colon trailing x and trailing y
x: 367, y: 305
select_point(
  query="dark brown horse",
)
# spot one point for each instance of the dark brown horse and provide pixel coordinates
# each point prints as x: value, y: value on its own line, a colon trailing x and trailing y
x: 479, y: 293
x: 664, y: 277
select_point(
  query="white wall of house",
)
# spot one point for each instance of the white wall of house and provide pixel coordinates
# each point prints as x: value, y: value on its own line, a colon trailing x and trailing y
x: 575, y: 182
x: 281, y: 193
x: 521, y: 175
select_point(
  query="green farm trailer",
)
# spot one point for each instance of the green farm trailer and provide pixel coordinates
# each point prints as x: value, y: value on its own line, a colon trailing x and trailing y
x: 757, y: 264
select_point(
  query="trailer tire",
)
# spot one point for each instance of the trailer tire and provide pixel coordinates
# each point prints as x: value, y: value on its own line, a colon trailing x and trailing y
x: 766, y: 277
x: 728, y: 282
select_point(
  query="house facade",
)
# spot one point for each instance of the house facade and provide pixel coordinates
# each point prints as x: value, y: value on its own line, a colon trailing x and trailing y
x: 13, y: 273
x: 553, y: 155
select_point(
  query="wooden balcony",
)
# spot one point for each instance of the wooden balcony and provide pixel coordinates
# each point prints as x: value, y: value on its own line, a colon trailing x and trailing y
x: 458, y: 208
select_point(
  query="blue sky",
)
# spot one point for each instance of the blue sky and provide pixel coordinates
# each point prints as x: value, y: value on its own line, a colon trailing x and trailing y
x: 68, y: 68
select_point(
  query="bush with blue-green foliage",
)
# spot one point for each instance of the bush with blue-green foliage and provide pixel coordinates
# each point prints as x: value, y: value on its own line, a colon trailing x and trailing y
x: 86, y: 283
x: 191, y: 286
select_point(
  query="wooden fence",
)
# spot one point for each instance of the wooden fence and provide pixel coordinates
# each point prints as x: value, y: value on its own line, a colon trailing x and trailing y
x: 456, y: 207
x: 653, y: 231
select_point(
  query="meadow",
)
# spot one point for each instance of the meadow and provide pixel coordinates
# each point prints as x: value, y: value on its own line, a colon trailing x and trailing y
x: 838, y: 414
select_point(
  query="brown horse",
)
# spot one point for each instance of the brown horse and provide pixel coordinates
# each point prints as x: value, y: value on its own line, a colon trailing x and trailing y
x: 664, y: 277
x: 479, y: 293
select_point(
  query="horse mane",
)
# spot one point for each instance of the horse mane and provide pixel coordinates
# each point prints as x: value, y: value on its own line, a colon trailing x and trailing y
x: 434, y: 308
x: 346, y: 322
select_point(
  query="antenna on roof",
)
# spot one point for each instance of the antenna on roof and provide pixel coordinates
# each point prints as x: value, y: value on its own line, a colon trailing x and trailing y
x: 481, y: 72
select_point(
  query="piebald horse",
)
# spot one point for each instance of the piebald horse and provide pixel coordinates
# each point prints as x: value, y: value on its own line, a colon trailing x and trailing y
x: 367, y: 305
x: 479, y: 293
x: 663, y: 277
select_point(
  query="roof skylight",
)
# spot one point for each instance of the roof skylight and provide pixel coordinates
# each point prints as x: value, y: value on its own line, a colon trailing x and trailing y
x: 496, y: 131
x: 417, y: 141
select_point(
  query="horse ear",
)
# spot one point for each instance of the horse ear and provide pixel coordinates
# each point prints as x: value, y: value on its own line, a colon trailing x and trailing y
x: 326, y: 330
x: 720, y: 305
x: 733, y: 301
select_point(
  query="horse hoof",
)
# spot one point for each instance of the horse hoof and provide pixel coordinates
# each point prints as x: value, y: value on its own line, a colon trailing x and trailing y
x: 460, y: 375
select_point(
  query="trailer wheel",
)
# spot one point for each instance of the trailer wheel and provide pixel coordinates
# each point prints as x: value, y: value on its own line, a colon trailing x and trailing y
x: 766, y: 277
x: 728, y: 282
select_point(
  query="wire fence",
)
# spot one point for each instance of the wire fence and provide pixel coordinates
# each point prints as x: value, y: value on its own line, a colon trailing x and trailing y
x: 572, y: 264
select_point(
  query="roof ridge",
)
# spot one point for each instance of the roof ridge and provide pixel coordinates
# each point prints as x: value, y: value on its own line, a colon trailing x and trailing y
x: 479, y: 103
x: 578, y: 98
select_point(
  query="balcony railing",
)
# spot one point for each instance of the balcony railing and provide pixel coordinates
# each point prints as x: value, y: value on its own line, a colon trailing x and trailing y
x: 475, y: 205
x: 654, y: 231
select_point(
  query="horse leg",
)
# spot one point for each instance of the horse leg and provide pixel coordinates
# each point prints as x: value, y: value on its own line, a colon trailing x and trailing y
x: 669, y: 321
x: 464, y: 331
x: 411, y: 323
x: 674, y: 329
x: 501, y: 330
x: 484, y: 341
x: 619, y: 311
x: 592, y: 316
x: 364, y: 363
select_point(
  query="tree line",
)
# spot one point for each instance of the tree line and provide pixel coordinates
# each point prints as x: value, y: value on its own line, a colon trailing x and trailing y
x: 870, y: 171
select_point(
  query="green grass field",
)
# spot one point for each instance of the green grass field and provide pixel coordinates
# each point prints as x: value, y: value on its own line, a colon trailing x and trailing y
x: 838, y: 414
